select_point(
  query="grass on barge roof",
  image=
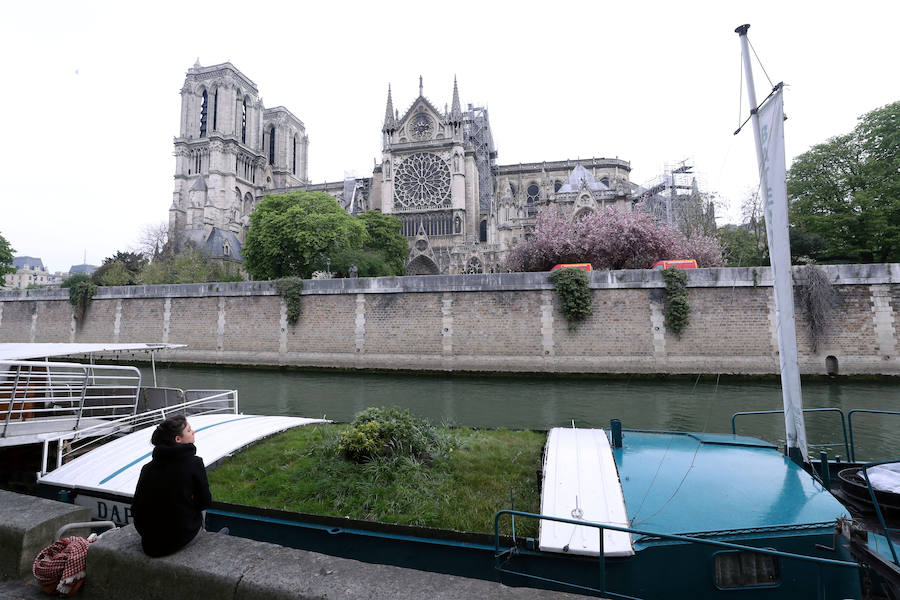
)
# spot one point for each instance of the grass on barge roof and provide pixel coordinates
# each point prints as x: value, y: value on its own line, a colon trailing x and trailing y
x: 300, y: 471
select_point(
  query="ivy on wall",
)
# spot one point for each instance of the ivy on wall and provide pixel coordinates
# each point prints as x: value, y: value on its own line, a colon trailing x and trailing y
x: 80, y: 295
x: 291, y: 288
x: 678, y: 311
x: 574, y: 292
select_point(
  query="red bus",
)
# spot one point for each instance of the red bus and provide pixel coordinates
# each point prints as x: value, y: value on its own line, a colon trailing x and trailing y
x: 681, y: 263
x: 582, y: 266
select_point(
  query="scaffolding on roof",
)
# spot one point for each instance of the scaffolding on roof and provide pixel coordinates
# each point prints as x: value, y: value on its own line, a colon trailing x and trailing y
x: 477, y: 131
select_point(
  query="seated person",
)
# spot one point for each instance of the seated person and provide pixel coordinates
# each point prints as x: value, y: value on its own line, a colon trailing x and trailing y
x: 172, y: 491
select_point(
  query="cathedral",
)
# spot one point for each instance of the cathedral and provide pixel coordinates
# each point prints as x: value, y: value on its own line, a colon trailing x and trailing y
x: 460, y: 210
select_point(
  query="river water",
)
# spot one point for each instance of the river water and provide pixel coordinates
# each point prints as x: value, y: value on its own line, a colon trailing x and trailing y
x: 517, y: 402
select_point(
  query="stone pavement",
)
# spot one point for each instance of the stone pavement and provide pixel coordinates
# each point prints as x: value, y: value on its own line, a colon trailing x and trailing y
x: 20, y: 589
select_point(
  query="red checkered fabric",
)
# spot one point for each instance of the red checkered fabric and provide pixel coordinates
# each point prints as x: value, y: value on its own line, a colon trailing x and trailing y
x: 60, y: 565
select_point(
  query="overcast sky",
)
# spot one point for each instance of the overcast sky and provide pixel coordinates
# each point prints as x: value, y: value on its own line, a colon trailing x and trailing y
x: 92, y: 100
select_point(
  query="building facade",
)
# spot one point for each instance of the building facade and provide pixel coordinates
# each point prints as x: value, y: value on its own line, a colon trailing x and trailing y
x: 230, y: 150
x: 460, y: 210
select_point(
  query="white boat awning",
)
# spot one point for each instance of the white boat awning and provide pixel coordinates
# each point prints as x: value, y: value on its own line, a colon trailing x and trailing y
x: 31, y: 351
x: 115, y: 467
x: 581, y: 482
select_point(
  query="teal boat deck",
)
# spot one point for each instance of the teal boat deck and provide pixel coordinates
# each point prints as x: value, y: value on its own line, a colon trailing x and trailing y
x: 694, y: 483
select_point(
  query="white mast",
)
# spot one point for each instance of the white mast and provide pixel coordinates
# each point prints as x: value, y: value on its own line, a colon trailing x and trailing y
x: 770, y: 158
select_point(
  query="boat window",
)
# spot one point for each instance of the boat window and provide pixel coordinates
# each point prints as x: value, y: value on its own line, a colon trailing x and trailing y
x: 746, y: 569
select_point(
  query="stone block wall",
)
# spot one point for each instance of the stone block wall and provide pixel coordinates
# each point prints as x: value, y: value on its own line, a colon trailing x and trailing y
x: 492, y: 322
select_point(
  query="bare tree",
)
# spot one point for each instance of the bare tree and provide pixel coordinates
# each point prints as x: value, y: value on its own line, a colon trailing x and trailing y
x: 752, y: 214
x: 153, y: 239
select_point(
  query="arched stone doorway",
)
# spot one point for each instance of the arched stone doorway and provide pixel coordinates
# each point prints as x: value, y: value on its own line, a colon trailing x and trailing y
x: 422, y: 265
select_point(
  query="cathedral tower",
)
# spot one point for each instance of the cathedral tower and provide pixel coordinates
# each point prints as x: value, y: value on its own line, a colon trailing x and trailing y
x: 228, y: 152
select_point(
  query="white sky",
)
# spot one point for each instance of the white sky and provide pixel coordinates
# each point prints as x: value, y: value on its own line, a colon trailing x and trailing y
x: 92, y: 90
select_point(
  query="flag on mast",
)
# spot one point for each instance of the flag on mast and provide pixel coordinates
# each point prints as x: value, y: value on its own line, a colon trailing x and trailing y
x: 774, y: 192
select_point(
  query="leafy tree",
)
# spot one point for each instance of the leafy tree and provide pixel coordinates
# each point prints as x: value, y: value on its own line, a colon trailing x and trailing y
x: 123, y: 268
x: 609, y: 239
x: 845, y: 192
x: 739, y: 246
x: 6, y: 259
x: 292, y: 234
x: 383, y: 252
x: 189, y: 266
x: 73, y: 280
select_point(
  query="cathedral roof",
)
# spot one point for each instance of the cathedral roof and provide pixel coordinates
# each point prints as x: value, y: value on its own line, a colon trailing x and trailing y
x: 415, y: 103
x: 213, y: 245
x: 578, y: 175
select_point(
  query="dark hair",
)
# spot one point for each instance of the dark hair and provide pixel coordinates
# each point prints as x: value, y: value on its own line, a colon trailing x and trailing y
x: 165, y: 432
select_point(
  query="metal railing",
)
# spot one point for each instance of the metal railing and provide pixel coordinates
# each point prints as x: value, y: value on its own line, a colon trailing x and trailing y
x: 852, y: 412
x: 846, y: 424
x: 501, y: 553
x: 71, y: 444
x: 878, y: 512
x: 44, y: 391
x: 848, y: 448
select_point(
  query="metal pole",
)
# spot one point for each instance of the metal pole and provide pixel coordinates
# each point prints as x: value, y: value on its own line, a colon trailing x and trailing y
x: 780, y: 260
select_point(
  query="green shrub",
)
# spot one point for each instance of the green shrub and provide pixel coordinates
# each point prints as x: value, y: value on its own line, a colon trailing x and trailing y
x: 291, y: 289
x: 377, y: 433
x: 573, y: 289
x: 678, y: 311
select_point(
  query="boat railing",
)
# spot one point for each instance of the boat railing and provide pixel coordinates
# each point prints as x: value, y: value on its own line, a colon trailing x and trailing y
x: 503, y: 555
x: 878, y: 513
x: 848, y: 447
x: 74, y: 443
x: 70, y: 393
x: 846, y: 424
x: 854, y: 411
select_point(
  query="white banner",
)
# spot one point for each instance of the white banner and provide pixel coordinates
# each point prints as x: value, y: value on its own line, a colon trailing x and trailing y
x: 774, y: 193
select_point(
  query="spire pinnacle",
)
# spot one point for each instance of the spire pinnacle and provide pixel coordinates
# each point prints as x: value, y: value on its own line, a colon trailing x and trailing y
x: 420, y: 85
x: 455, y: 110
x: 389, y: 123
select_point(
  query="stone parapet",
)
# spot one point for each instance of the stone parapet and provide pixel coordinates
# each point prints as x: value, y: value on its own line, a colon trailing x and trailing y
x: 496, y: 322
x: 226, y: 567
x: 28, y: 525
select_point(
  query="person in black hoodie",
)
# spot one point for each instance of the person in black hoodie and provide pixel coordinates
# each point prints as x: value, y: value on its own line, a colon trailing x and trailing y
x: 172, y: 491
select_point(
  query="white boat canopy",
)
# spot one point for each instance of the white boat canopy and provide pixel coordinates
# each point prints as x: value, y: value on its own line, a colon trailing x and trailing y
x: 115, y: 467
x: 41, y: 350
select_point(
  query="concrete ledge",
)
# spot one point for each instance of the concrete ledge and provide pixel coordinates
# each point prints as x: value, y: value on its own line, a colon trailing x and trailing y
x: 225, y: 567
x: 28, y: 525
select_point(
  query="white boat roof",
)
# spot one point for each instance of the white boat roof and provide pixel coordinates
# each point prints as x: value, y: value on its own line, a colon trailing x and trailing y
x: 581, y: 482
x: 40, y: 350
x: 115, y: 467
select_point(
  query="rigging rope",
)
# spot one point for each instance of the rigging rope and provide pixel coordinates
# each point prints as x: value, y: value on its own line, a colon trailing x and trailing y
x: 761, y: 66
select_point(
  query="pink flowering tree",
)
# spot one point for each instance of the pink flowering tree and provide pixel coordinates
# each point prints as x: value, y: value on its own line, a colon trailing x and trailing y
x: 609, y: 239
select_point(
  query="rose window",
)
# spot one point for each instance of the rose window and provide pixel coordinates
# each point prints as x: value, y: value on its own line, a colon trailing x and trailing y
x: 422, y: 181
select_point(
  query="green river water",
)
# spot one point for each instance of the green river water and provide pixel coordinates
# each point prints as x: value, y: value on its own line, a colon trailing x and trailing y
x: 517, y: 402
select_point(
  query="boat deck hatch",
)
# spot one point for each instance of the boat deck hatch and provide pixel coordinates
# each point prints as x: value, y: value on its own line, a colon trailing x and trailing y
x: 581, y: 482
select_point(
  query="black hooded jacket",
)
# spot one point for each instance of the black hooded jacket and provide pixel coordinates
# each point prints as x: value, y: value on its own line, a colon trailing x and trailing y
x: 169, y: 496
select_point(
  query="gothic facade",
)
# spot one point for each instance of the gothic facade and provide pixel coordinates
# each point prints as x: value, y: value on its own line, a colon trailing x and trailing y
x: 229, y: 152
x: 460, y: 210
